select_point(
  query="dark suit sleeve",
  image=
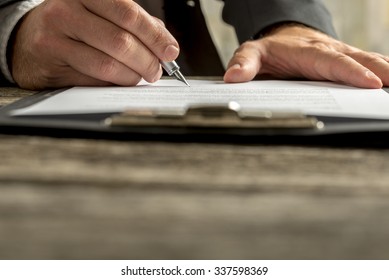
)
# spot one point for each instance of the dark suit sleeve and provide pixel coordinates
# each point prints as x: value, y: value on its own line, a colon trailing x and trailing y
x: 251, y: 17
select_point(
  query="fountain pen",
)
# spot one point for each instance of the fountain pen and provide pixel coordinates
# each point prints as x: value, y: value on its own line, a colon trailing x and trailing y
x: 172, y: 68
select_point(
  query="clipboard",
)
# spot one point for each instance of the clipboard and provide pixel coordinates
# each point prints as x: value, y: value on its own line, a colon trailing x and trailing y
x: 200, y: 123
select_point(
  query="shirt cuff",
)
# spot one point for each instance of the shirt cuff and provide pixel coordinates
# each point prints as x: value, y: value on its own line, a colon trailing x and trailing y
x: 10, y: 15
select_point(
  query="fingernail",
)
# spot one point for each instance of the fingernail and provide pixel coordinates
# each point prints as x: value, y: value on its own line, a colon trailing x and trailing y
x: 234, y: 76
x: 371, y: 75
x: 235, y: 67
x: 171, y: 53
x: 376, y: 81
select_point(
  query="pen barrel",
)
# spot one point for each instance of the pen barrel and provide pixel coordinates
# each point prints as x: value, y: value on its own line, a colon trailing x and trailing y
x: 170, y: 67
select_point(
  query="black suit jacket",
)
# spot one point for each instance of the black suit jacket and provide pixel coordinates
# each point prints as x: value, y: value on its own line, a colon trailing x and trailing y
x: 5, y: 2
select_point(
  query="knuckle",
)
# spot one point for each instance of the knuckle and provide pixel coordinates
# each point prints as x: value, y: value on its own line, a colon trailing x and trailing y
x: 318, y: 53
x: 339, y: 61
x: 367, y: 57
x: 250, y: 45
x: 247, y: 48
x: 239, y: 55
x: 53, y: 10
x: 152, y: 68
x: 122, y: 43
x: 321, y: 46
x: 159, y: 21
x: 316, y: 49
x: 158, y: 34
x: 371, y: 58
x: 341, y: 58
x: 157, y: 38
x: 130, y: 14
x: 242, y: 55
x: 107, y: 68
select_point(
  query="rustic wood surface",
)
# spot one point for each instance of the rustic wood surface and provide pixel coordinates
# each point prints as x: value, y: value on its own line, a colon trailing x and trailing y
x: 99, y: 199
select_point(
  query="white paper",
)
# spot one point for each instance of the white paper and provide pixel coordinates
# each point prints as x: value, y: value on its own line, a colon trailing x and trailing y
x: 316, y: 98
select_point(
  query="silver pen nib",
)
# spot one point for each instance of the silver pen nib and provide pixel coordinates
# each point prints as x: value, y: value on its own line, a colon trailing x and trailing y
x: 172, y: 68
x: 181, y: 77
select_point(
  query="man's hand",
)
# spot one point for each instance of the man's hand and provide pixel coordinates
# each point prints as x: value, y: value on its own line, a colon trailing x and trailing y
x: 293, y: 51
x: 88, y: 42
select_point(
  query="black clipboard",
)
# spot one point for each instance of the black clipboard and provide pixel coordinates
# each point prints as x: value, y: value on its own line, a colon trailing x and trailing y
x: 201, y: 123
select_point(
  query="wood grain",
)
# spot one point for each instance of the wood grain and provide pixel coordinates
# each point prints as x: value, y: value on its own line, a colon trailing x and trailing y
x: 98, y: 199
x: 11, y: 94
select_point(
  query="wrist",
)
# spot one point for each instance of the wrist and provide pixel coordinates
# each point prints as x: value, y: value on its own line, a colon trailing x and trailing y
x: 10, y: 16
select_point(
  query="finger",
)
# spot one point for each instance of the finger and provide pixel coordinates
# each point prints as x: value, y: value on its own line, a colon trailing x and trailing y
x: 338, y: 67
x: 378, y: 64
x: 65, y: 77
x: 117, y: 43
x: 74, y: 78
x: 96, y: 64
x: 159, y: 21
x: 245, y: 64
x: 384, y: 57
x: 70, y: 77
x: 56, y: 75
x: 131, y: 17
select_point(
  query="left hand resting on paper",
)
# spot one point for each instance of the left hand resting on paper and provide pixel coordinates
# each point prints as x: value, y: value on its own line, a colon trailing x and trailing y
x: 295, y: 51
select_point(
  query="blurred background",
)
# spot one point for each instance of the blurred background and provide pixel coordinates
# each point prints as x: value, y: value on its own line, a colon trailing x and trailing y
x: 361, y: 23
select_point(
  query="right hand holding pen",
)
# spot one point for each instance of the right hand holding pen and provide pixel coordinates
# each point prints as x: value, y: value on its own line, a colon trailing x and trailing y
x: 86, y: 42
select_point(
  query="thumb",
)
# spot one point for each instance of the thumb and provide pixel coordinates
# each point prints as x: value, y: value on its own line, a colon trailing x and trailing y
x: 244, y: 65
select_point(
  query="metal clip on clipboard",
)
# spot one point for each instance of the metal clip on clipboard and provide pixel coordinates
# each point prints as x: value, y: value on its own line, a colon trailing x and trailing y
x: 214, y: 116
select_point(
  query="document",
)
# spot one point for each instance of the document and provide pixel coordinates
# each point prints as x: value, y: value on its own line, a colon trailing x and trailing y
x: 311, y: 98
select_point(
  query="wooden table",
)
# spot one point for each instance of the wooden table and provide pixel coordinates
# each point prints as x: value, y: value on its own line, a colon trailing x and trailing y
x: 99, y: 199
